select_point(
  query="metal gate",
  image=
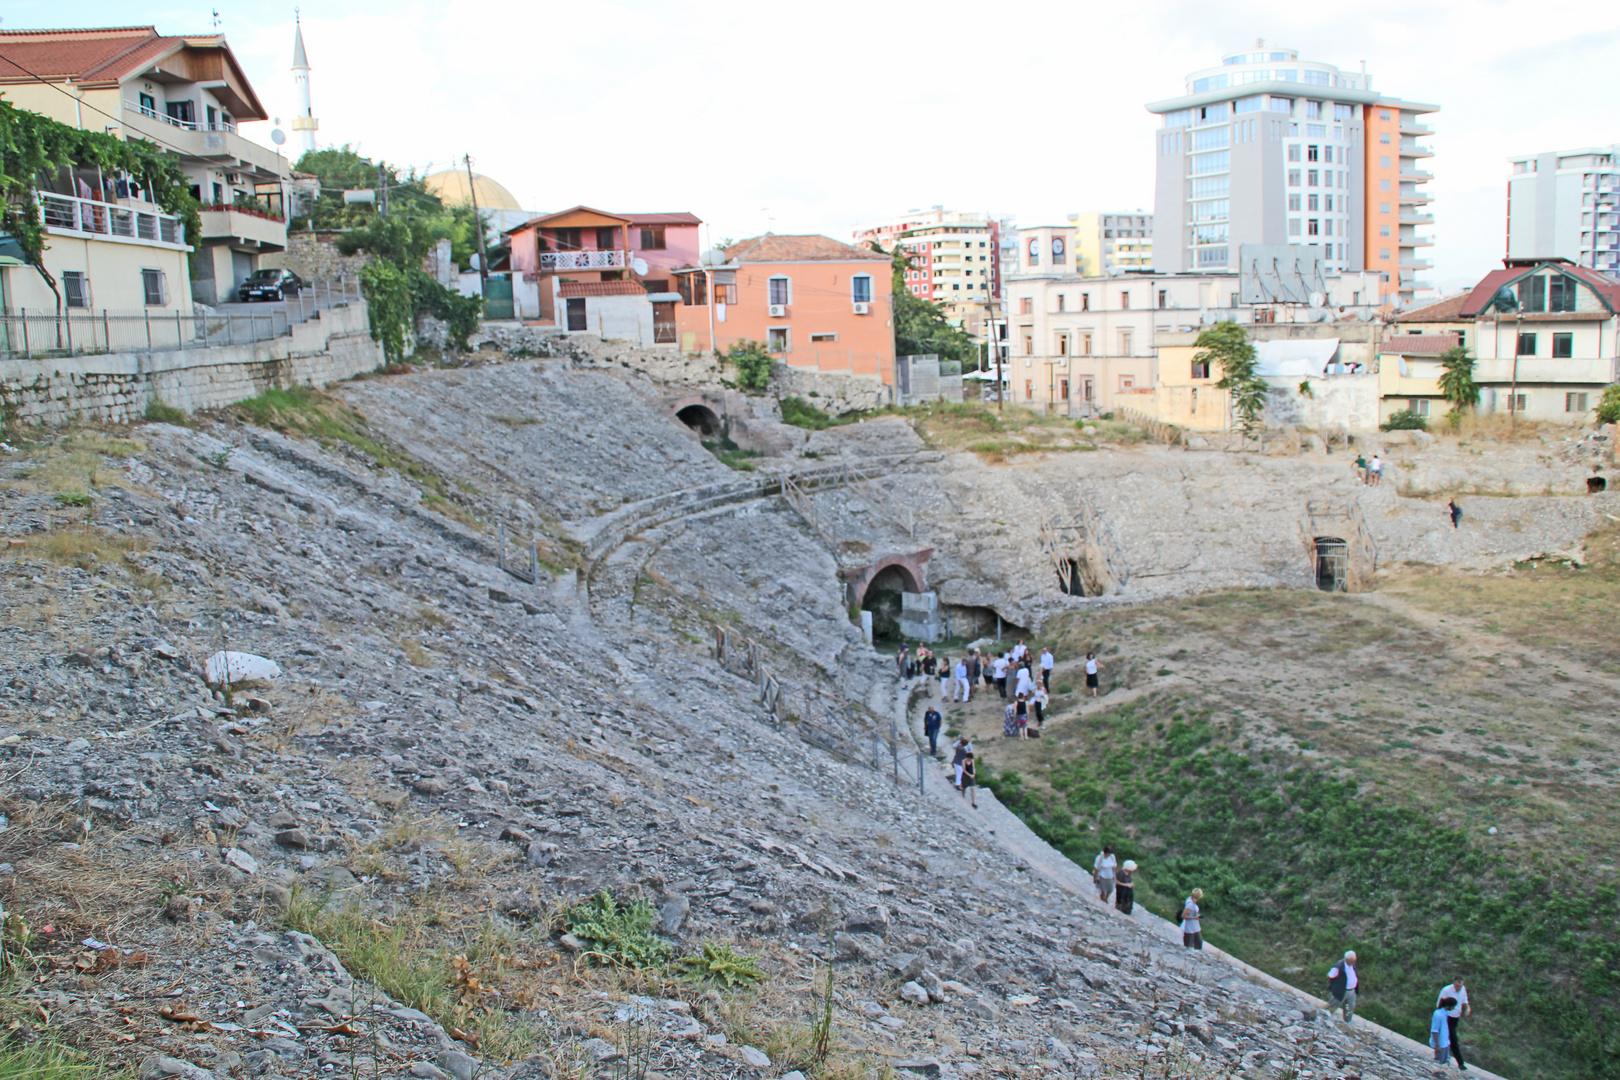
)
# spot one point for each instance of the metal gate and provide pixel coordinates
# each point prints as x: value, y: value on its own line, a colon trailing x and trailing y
x: 498, y: 299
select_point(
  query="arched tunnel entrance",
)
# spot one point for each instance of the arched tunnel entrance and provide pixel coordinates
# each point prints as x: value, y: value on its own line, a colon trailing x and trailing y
x: 701, y: 419
x: 1332, y: 564
x: 882, y: 599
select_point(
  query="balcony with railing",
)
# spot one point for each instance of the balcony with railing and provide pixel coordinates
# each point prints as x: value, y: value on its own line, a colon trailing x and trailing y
x: 248, y: 222
x: 218, y: 141
x: 71, y: 216
x: 1412, y: 149
x: 1409, y: 218
x: 1412, y: 127
x: 1415, y: 175
x: 563, y: 261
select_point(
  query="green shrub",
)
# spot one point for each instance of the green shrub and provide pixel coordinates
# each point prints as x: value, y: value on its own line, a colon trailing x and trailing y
x: 753, y: 364
x: 1405, y: 420
x: 718, y: 962
x: 800, y: 413
x: 615, y: 933
x: 159, y: 413
x: 73, y: 498
x: 1608, y: 406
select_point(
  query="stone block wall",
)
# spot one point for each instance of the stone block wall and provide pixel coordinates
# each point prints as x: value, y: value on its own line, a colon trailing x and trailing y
x: 116, y: 388
x: 314, y: 256
x: 831, y: 393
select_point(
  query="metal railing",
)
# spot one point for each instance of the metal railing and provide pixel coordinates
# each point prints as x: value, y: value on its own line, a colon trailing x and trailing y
x: 836, y: 726
x: 78, y: 331
x: 68, y: 213
x: 584, y: 260
x: 174, y: 121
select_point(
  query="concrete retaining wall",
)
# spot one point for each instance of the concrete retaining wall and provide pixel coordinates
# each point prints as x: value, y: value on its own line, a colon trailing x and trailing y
x: 335, y: 344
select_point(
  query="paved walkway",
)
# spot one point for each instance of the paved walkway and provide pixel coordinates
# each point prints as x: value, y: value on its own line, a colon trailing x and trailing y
x: 1007, y: 831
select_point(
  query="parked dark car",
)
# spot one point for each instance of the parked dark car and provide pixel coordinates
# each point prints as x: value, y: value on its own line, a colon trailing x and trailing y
x: 270, y: 285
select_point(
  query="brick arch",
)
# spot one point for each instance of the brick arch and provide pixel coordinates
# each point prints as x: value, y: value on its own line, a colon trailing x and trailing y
x: 913, y: 568
x: 709, y: 408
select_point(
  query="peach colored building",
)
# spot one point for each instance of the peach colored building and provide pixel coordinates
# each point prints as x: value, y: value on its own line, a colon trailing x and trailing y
x: 813, y: 301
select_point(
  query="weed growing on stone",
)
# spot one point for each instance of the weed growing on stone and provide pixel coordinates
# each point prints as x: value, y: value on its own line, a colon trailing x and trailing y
x: 615, y: 933
x: 157, y: 412
x: 717, y: 962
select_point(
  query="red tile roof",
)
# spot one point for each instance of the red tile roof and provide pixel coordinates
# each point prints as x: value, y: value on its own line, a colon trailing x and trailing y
x: 1607, y: 288
x: 681, y: 217
x: 1447, y: 310
x: 810, y: 248
x: 1418, y: 344
x: 601, y: 288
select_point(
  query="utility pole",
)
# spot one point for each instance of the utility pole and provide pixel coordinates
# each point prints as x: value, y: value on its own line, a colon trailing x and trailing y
x: 382, y: 190
x: 478, y: 224
x: 995, y: 343
x: 1513, y: 394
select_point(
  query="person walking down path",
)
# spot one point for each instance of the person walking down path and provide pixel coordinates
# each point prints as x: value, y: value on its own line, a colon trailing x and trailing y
x: 1455, y: 992
x: 902, y: 662
x: 1455, y: 511
x: 973, y: 667
x: 1440, y: 1031
x: 1047, y: 664
x: 1375, y: 470
x: 998, y: 669
x: 959, y: 753
x: 1192, y: 926
x: 1093, y: 667
x: 931, y: 723
x: 1102, y: 872
x: 970, y: 780
x: 1024, y: 683
x: 1124, y: 890
x: 1021, y: 717
x: 945, y: 678
x: 1343, y: 980
x: 1038, y: 701
x: 962, y: 683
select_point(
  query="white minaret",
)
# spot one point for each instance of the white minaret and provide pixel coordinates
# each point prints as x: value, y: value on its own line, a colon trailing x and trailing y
x: 304, y: 122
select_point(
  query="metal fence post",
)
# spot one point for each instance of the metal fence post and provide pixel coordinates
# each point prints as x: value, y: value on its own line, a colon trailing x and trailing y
x: 179, y: 334
x: 921, y: 773
x: 27, y: 349
x: 106, y: 330
x: 148, y: 329
x: 68, y: 314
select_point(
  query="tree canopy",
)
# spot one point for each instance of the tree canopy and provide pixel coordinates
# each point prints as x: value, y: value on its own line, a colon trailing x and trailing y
x: 1457, y: 383
x: 920, y: 326
x: 1227, y: 345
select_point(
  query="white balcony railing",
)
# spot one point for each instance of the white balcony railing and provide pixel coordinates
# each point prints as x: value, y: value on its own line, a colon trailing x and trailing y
x: 584, y: 260
x: 189, y: 125
x: 87, y: 217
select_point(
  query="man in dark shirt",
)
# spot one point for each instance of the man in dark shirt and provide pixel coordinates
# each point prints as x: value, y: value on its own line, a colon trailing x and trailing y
x: 931, y: 723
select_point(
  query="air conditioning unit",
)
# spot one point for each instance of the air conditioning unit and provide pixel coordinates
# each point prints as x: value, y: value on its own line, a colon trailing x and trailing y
x: 778, y: 311
x: 862, y: 308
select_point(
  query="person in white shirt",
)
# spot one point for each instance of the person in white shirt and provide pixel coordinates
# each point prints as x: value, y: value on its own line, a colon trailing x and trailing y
x: 1093, y: 666
x: 1375, y: 470
x: 1458, y: 993
x: 1046, y: 668
x: 1024, y: 685
x: 1343, y: 979
x: 1102, y: 872
x: 1020, y: 650
x: 998, y: 670
x: 962, y: 682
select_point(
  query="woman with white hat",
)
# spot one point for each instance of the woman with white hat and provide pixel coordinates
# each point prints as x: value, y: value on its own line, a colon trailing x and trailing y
x: 1124, y: 890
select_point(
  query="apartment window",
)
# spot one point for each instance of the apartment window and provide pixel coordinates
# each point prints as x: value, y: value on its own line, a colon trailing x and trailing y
x: 1383, y: 230
x: 1383, y: 161
x: 156, y: 287
x: 1312, y: 152
x: 1029, y: 341
x: 1527, y: 344
x: 1293, y: 152
x: 1126, y: 382
x: 1026, y: 305
x: 1383, y: 114
x: 1200, y: 369
x: 1164, y: 298
x: 652, y: 238
x: 1518, y: 403
x: 1034, y: 253
x: 1312, y: 227
x: 860, y: 288
x: 1313, y: 202
x: 568, y: 239
x: 219, y: 194
x: 1383, y: 208
x: 1312, y: 178
x: 1085, y: 343
x: 1383, y: 137
x: 1062, y: 344
x: 777, y: 339
x: 75, y: 289
x: 1085, y: 301
x: 1293, y: 178
x: 1058, y: 256
x: 1575, y: 402
x: 779, y: 290
x: 148, y: 105
x: 1383, y: 185
x: 1560, y: 294
x: 1293, y: 226
x: 1563, y: 346
x: 1062, y: 302
x: 1418, y: 406
x: 821, y: 338
x: 725, y: 294
x: 1125, y: 343
x: 1293, y: 202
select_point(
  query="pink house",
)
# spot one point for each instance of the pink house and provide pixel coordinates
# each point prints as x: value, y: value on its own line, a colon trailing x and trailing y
x: 586, y: 246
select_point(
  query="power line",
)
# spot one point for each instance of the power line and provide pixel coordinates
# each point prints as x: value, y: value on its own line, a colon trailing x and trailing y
x: 80, y: 102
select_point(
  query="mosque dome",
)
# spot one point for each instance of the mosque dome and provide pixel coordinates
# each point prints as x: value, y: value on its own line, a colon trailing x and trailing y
x: 451, y: 187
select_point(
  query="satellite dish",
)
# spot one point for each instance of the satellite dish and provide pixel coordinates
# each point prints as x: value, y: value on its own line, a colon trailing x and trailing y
x: 1317, y: 299
x: 639, y: 266
x: 278, y: 136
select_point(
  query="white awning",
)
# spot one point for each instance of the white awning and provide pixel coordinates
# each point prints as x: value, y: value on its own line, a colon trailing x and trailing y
x: 1294, y: 359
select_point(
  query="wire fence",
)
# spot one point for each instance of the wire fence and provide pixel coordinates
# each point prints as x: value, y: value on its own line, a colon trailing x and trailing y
x: 80, y: 331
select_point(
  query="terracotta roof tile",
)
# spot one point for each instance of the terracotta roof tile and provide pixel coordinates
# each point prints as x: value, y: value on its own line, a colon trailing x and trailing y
x: 680, y: 217
x: 1418, y: 344
x: 88, y: 56
x: 1447, y: 310
x: 601, y: 288
x: 808, y: 248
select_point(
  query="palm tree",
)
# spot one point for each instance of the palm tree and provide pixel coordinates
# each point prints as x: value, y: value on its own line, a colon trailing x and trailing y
x: 1457, y: 383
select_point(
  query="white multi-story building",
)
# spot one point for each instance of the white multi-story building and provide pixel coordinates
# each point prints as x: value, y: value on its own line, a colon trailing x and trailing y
x: 954, y: 259
x: 1564, y: 204
x: 1269, y: 149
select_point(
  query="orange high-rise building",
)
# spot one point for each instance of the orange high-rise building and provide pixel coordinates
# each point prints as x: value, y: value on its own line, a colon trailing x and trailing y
x: 1397, y: 204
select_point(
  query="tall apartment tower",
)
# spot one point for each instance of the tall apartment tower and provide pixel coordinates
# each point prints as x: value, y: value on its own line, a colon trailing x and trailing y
x: 1565, y: 204
x: 1106, y: 244
x: 1270, y: 149
x: 955, y: 259
x: 304, y: 122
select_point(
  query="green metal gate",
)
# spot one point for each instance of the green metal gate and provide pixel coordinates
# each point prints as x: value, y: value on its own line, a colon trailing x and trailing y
x: 498, y: 298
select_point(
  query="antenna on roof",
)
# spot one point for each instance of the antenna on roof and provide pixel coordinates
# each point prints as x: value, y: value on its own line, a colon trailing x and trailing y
x: 216, y: 18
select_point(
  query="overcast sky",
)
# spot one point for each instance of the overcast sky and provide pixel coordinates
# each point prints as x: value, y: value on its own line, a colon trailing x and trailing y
x: 813, y: 117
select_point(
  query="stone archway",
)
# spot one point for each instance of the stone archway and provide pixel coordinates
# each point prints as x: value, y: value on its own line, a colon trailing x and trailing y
x: 704, y: 415
x: 909, y: 571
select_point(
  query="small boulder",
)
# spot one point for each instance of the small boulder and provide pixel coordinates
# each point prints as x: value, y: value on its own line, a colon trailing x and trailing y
x: 870, y: 920
x: 242, y: 861
x: 541, y: 853
x: 914, y: 994
x: 238, y: 668
x: 297, y: 839
x: 672, y: 915
x: 757, y: 1058
x: 431, y: 785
